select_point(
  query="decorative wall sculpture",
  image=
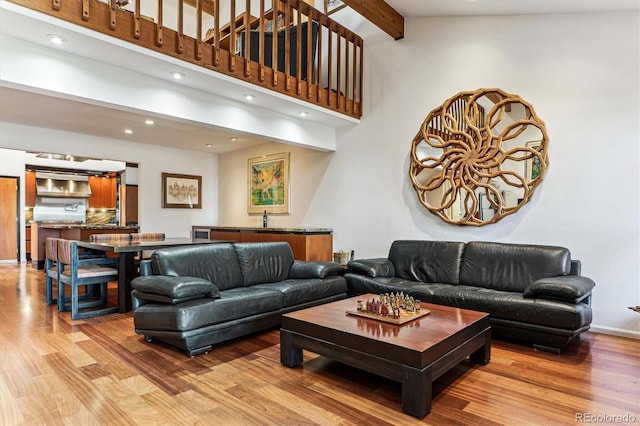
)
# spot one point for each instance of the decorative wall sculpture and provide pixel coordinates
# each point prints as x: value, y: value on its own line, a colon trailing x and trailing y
x: 479, y: 157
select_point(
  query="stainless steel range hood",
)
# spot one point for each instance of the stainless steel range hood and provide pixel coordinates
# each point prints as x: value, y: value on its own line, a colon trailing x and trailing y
x: 62, y: 185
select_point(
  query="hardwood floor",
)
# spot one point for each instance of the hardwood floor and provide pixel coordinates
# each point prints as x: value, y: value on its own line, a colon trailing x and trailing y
x: 98, y: 371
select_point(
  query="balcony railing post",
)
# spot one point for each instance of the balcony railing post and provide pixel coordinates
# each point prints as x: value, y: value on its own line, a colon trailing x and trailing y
x: 180, y: 34
x: 159, y: 40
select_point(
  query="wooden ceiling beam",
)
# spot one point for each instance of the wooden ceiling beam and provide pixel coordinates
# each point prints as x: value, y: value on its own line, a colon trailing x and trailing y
x: 381, y: 14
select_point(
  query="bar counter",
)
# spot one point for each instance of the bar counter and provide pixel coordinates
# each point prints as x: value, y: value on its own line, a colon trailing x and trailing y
x: 40, y: 231
x: 314, y: 244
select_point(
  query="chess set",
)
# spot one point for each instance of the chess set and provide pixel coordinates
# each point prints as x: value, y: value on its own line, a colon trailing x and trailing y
x: 395, y: 308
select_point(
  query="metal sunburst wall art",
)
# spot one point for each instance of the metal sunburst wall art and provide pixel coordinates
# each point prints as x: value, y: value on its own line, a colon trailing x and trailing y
x: 479, y: 157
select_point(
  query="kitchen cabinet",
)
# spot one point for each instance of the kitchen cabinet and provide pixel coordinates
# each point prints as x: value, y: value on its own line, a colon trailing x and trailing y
x: 306, y: 243
x: 103, y: 192
x: 30, y: 189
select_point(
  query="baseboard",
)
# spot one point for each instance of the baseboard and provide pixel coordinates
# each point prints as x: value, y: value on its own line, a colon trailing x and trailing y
x: 615, y: 331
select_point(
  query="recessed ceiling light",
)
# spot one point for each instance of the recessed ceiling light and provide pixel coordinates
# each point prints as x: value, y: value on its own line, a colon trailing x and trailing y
x: 128, y: 131
x: 148, y: 122
x: 209, y: 145
x: 233, y: 139
x: 177, y: 75
x: 303, y: 113
x: 56, y: 39
x: 249, y: 97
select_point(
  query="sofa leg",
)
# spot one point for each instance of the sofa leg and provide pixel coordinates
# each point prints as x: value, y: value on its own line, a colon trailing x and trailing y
x: 148, y: 339
x: 198, y: 351
x: 546, y: 348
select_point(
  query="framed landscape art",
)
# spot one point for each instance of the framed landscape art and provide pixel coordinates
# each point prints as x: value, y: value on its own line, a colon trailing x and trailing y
x: 268, y: 184
x: 181, y: 191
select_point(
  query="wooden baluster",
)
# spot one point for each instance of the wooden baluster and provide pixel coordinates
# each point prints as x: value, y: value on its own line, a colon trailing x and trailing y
x: 318, y: 79
x: 309, y: 51
x: 112, y: 15
x: 198, y: 40
x: 85, y: 10
x: 346, y: 72
x: 338, y: 69
x: 232, y: 37
x: 329, y: 64
x: 299, y: 53
x: 287, y: 45
x: 55, y: 5
x: 274, y: 42
x: 136, y: 19
x: 216, y: 33
x: 360, y: 44
x: 180, y: 33
x: 261, y: 43
x: 159, y: 40
x: 247, y: 38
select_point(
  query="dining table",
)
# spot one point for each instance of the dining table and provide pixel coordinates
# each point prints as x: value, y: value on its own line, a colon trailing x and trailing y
x: 127, y: 250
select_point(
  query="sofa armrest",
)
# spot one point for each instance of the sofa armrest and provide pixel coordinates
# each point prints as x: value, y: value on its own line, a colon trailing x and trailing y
x: 173, y: 290
x: 378, y: 267
x: 306, y: 269
x: 569, y: 288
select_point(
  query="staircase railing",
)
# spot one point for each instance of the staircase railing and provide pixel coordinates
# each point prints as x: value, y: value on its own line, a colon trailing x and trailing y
x: 283, y: 45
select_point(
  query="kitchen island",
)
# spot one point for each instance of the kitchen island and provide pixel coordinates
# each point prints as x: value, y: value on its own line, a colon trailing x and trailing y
x: 40, y: 231
x: 315, y: 244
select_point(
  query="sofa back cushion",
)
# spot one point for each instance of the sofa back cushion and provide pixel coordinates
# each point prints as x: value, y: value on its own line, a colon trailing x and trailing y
x: 427, y: 261
x: 511, y: 267
x: 214, y: 262
x: 264, y: 262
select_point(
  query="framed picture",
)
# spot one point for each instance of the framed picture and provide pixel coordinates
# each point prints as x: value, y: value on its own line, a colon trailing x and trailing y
x: 533, y: 165
x: 331, y: 6
x: 268, y: 184
x: 181, y: 191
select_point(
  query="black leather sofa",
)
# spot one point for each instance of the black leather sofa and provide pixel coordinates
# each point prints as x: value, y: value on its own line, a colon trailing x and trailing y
x: 533, y: 293
x: 197, y: 296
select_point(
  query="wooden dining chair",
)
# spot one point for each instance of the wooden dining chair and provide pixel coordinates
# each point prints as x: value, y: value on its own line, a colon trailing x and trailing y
x: 51, y: 267
x: 146, y: 236
x: 77, y: 272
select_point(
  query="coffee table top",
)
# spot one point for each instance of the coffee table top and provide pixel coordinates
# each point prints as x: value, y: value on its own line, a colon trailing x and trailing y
x: 416, y: 343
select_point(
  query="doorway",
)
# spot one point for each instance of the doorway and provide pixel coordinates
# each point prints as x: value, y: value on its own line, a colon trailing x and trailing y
x: 9, y: 191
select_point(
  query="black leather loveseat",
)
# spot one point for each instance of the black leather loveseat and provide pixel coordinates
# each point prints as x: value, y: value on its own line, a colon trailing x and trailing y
x: 533, y: 293
x: 200, y: 295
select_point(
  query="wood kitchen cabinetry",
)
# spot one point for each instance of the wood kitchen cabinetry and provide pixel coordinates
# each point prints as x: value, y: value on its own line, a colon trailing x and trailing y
x: 314, y: 244
x: 103, y: 192
x: 30, y: 189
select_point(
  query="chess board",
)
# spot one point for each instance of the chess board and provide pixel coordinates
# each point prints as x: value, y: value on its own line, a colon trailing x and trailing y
x: 405, y: 316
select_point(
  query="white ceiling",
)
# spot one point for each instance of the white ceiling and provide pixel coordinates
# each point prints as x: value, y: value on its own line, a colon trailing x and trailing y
x: 40, y: 110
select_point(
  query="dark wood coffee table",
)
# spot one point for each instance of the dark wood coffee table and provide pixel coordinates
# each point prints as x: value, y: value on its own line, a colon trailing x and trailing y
x: 414, y: 354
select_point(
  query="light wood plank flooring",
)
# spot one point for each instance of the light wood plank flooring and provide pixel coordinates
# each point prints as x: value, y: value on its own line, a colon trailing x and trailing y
x: 98, y: 371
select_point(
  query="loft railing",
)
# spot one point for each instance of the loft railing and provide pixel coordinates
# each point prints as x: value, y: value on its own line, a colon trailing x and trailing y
x: 283, y: 45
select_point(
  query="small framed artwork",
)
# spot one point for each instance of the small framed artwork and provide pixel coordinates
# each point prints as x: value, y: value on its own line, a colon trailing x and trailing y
x: 181, y: 191
x: 331, y: 6
x: 533, y: 168
x: 268, y: 184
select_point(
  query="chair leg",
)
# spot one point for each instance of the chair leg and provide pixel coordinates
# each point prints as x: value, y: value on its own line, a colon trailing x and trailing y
x: 74, y: 301
x: 49, y: 286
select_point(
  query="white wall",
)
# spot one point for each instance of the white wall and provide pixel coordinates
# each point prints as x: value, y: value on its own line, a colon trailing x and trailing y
x: 153, y: 160
x: 579, y: 71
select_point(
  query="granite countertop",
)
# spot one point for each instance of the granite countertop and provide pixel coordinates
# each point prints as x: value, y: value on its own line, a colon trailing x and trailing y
x: 269, y: 230
x: 82, y: 226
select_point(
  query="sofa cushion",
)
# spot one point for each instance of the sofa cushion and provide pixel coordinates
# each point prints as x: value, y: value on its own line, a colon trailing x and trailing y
x: 514, y: 306
x: 296, y: 291
x: 264, y: 262
x: 234, y: 303
x: 427, y: 261
x: 511, y: 267
x: 213, y: 262
x: 359, y: 284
